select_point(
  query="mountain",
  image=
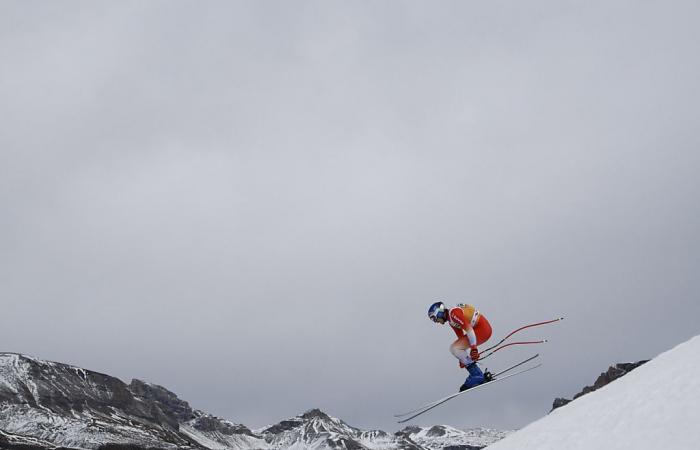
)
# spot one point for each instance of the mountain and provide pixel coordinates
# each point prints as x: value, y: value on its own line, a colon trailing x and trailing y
x: 605, y: 378
x: 46, y: 405
x: 657, y: 405
x: 314, y: 429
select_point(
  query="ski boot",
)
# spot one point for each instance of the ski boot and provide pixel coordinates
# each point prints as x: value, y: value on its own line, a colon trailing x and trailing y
x: 476, y: 377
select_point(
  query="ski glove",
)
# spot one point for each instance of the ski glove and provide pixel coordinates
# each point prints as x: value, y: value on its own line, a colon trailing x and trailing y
x: 474, y: 354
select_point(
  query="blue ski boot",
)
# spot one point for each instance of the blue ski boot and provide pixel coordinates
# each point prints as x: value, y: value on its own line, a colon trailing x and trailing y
x: 475, y: 378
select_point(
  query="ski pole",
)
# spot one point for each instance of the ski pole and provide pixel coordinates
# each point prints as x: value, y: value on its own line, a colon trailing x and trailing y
x: 489, y: 353
x: 520, y: 329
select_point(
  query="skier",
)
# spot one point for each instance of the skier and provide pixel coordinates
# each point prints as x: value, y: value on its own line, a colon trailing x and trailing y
x: 472, y: 329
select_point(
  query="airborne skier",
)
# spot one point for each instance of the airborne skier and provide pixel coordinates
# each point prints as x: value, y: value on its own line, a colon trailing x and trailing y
x: 472, y: 329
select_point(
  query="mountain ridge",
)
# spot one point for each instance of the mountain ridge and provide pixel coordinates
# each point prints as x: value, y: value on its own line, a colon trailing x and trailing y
x: 50, y: 405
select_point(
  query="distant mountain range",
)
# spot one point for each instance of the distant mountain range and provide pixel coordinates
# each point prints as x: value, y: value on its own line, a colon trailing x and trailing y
x: 47, y: 405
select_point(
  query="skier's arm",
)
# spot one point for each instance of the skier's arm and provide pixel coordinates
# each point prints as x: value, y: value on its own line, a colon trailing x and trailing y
x: 469, y: 333
x: 464, y: 327
x: 456, y: 318
x: 474, y: 352
x: 460, y: 326
x: 458, y: 332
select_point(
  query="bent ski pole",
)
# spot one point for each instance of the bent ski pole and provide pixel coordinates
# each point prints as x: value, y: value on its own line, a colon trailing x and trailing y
x: 489, y: 353
x: 521, y: 329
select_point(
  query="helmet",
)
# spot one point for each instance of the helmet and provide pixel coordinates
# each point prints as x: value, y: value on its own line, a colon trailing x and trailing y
x: 437, y: 312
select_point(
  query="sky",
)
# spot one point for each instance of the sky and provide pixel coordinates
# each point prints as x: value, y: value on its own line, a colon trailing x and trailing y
x: 253, y: 204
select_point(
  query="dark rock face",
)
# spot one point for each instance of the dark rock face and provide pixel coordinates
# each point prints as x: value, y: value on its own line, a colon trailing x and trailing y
x: 209, y: 423
x: 559, y: 402
x: 436, y: 431
x: 174, y: 408
x: 91, y: 407
x: 285, y: 425
x: 607, y: 377
x: 61, y: 388
x: 343, y: 443
x: 315, y: 414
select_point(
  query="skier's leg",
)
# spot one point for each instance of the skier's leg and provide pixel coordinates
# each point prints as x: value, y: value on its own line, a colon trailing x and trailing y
x: 460, y: 350
x: 475, y: 378
x: 482, y: 330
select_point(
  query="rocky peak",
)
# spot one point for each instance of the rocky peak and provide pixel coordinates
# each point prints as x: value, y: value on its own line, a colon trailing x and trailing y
x: 607, y: 377
x: 208, y: 424
x: 436, y: 430
x: 314, y: 421
x: 315, y: 413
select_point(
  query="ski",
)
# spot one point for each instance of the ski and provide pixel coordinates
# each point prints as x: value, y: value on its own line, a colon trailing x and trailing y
x: 495, y: 376
x: 516, y: 365
x: 450, y: 397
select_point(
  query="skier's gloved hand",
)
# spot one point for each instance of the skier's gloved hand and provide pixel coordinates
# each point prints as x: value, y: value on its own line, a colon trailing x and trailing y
x: 474, y: 354
x: 461, y: 365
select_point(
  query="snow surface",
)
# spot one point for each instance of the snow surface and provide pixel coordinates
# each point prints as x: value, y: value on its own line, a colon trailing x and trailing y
x: 441, y: 436
x: 220, y: 441
x: 655, y: 406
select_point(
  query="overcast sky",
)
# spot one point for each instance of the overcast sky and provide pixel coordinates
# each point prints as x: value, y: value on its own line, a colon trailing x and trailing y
x: 254, y: 203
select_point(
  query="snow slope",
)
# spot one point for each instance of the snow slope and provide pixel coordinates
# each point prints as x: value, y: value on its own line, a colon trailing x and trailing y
x: 655, y: 406
x: 439, y: 437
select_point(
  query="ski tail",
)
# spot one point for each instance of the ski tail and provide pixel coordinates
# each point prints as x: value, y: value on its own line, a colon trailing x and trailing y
x: 426, y: 406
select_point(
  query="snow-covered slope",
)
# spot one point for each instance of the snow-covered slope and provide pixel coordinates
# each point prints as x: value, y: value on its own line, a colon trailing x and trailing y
x: 10, y: 441
x: 440, y: 436
x: 655, y: 406
x: 316, y: 430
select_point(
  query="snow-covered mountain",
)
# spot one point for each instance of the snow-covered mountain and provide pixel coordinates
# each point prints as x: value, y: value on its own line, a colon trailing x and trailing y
x: 440, y: 437
x: 657, y: 405
x: 316, y: 430
x: 46, y: 404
